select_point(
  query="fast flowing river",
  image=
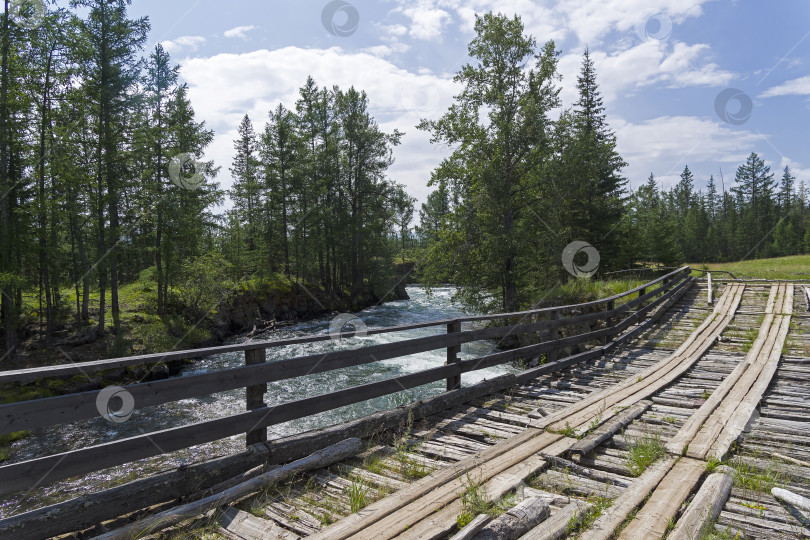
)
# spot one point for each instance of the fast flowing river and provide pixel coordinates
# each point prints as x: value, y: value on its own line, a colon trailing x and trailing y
x: 419, y: 308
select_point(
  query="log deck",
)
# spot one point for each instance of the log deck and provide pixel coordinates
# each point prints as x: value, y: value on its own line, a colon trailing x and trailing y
x: 678, y: 376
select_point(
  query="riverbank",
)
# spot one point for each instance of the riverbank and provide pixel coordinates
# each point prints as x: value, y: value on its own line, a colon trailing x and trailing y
x: 418, y: 309
x: 254, y: 308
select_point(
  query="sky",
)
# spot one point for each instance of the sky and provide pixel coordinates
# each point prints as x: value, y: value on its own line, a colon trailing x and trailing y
x: 685, y: 82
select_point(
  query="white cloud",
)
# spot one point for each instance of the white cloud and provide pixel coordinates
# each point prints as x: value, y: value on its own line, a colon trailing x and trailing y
x: 799, y: 173
x: 238, y: 32
x: 800, y: 86
x: 426, y: 22
x: 666, y: 144
x: 226, y: 86
x: 183, y: 42
x: 624, y: 72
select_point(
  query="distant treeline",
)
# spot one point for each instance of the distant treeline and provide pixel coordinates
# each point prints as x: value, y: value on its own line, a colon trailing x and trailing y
x: 103, y: 182
x: 759, y: 216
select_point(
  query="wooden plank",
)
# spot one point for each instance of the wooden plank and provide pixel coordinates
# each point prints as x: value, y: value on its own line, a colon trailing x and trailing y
x: 438, y: 524
x: 793, y: 499
x: 743, y: 407
x: 556, y: 526
x: 555, y: 421
x: 717, y: 404
x: 651, y: 521
x: 439, y: 487
x: 249, y: 527
x: 471, y: 528
x: 606, y: 431
x: 791, y: 460
x: 321, y: 458
x: 704, y: 508
x: 48, y: 469
x: 642, y: 385
x: 602, y: 528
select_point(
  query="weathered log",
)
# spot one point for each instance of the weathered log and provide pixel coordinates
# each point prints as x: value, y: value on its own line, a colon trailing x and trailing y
x: 575, y: 468
x: 321, y: 458
x: 705, y: 507
x: 793, y: 499
x: 248, y: 527
x: 556, y: 526
x: 517, y: 521
x: 791, y: 460
x: 471, y: 529
x: 607, y: 431
x: 87, y: 510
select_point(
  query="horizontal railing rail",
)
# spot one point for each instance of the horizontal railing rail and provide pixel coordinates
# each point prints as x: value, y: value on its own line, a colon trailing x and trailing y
x: 77, y: 368
x: 67, y: 408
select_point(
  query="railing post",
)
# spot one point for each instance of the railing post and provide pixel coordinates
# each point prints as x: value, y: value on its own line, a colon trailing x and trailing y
x: 710, y: 293
x: 454, y: 382
x: 255, y: 395
x: 553, y: 334
x: 609, y: 321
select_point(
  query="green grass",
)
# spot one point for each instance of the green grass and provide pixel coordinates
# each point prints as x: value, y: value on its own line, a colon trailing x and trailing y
x: 357, y: 495
x: 596, y: 505
x: 474, y: 501
x: 757, y: 480
x: 576, y: 291
x: 792, y: 267
x: 644, y: 451
x: 7, y: 439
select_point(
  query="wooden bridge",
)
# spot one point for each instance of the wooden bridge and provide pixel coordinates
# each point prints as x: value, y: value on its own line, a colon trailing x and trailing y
x: 656, y: 412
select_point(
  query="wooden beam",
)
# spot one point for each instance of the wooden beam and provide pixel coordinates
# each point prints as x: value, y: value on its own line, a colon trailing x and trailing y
x: 97, y: 365
x: 254, y: 396
x: 704, y: 508
x: 321, y: 458
x: 454, y: 382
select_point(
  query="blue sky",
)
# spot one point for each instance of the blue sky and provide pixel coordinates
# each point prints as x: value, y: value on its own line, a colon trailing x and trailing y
x: 661, y: 65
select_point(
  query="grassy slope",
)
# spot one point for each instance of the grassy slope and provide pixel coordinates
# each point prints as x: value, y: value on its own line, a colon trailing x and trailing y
x: 792, y: 267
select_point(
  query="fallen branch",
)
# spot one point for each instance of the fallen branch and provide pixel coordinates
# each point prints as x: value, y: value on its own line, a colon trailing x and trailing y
x: 321, y: 458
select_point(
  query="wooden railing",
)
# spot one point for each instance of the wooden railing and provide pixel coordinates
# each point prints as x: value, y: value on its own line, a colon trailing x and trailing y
x: 619, y: 313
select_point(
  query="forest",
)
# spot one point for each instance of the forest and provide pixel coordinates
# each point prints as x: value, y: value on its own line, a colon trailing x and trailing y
x: 104, y: 183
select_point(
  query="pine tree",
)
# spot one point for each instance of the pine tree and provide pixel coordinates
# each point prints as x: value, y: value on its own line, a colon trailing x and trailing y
x: 600, y: 188
x: 246, y: 190
x: 110, y: 69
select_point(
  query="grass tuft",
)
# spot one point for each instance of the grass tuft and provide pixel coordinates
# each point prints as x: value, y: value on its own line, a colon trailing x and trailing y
x: 644, y: 451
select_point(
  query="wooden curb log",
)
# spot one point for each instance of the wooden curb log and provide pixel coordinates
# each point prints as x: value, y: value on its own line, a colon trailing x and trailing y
x: 518, y: 520
x: 321, y: 458
x: 705, y: 507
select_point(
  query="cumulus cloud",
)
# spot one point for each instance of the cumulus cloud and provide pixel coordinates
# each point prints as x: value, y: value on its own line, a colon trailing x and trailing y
x: 426, y: 22
x: 238, y: 32
x: 800, y: 87
x: 226, y: 86
x: 666, y: 144
x: 183, y: 42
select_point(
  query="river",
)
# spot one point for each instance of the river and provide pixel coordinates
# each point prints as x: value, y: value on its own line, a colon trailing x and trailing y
x: 419, y: 308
